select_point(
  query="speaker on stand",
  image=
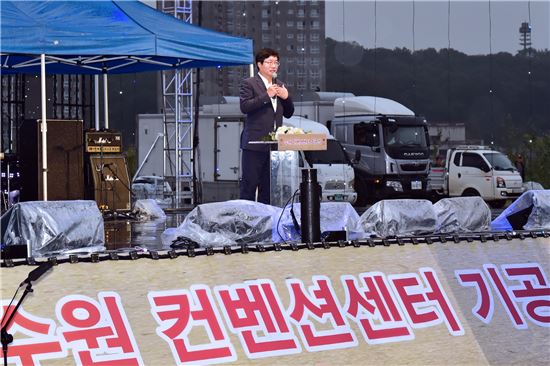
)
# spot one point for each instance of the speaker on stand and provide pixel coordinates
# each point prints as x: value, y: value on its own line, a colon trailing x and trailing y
x: 65, y: 154
x: 111, y: 182
x: 107, y: 171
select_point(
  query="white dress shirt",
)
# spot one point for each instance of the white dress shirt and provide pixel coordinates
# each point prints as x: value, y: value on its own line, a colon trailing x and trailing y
x: 267, y: 85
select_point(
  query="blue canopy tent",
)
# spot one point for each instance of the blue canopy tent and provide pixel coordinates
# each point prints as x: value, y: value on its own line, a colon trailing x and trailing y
x: 105, y: 37
x: 96, y: 37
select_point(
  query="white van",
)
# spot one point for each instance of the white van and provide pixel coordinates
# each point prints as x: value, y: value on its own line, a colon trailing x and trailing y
x: 334, y: 170
x: 477, y: 171
x: 150, y: 186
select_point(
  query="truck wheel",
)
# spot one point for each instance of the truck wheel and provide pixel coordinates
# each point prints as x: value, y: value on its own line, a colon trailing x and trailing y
x: 470, y: 192
x: 433, y: 197
x: 497, y: 203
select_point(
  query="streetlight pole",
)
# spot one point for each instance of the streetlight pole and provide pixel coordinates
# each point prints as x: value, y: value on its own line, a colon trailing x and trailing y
x: 530, y: 153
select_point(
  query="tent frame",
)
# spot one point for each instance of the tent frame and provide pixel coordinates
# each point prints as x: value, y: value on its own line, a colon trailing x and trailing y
x: 155, y: 45
x: 96, y: 64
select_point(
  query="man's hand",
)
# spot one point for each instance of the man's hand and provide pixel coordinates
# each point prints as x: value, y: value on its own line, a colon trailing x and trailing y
x: 272, y: 90
x: 282, y: 92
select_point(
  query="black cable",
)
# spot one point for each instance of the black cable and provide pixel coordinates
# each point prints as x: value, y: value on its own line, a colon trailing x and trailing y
x: 415, y: 106
x: 449, y: 116
x: 281, y: 215
x: 108, y: 166
x: 529, y: 79
x: 375, y: 54
x: 9, y: 306
x: 294, y: 221
x: 491, y: 72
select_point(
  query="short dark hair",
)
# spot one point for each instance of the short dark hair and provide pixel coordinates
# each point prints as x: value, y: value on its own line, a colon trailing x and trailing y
x: 266, y: 53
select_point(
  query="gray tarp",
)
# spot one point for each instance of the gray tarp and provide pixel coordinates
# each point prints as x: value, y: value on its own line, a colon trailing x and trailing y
x: 54, y: 227
x: 399, y: 217
x: 462, y: 214
x: 334, y: 216
x: 148, y: 209
x: 531, y: 211
x: 532, y: 186
x: 240, y: 221
x: 227, y: 223
x: 247, y: 222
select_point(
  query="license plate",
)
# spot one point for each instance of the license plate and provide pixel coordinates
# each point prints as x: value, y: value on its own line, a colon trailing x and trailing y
x: 416, y: 184
x: 338, y: 197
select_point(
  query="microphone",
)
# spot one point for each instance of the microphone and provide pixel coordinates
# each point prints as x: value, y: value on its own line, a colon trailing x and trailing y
x: 274, y: 82
x: 36, y: 273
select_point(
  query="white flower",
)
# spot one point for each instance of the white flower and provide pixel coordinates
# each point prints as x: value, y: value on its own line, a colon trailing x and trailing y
x: 288, y: 131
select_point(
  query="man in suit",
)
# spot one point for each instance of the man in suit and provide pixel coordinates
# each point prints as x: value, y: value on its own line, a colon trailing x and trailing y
x: 265, y: 103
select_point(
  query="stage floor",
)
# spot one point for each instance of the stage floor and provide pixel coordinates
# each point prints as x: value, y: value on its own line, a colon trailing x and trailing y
x: 122, y: 234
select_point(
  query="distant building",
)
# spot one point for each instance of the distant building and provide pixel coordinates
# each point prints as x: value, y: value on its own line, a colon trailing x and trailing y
x: 296, y: 29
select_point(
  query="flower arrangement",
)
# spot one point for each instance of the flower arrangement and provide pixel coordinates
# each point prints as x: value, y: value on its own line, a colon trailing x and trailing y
x: 284, y: 130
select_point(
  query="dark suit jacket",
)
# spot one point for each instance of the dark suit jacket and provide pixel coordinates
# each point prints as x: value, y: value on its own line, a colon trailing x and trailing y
x: 256, y: 104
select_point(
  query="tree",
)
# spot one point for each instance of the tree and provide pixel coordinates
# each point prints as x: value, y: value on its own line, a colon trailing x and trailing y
x: 498, y: 97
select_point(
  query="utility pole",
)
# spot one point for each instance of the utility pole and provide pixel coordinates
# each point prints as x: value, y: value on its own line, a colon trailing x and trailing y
x: 525, y: 36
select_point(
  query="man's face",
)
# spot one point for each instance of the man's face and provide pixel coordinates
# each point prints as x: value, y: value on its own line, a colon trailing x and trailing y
x: 269, y: 66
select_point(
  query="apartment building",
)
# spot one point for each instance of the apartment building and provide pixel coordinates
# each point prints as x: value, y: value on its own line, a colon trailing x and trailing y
x: 296, y: 29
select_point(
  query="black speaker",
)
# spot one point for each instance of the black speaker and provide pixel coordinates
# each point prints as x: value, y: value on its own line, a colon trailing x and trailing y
x: 111, y: 181
x: 65, y: 158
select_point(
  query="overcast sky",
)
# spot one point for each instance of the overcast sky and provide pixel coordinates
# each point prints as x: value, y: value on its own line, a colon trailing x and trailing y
x: 354, y: 20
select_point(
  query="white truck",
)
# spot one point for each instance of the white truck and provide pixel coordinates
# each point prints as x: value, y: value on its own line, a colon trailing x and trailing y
x: 476, y: 171
x: 334, y: 168
x: 389, y: 144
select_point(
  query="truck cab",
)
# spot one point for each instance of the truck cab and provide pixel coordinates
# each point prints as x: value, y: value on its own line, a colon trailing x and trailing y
x: 334, y: 168
x: 389, y: 143
x: 480, y: 171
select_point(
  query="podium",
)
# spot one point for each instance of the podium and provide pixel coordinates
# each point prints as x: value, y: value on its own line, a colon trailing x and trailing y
x: 285, y: 176
x: 286, y: 162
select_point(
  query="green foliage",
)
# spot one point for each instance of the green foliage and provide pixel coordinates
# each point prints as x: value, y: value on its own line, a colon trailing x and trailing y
x: 537, y: 158
x: 131, y: 157
x: 495, y: 96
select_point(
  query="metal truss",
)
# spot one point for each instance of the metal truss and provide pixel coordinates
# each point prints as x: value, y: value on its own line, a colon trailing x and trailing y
x: 177, y: 96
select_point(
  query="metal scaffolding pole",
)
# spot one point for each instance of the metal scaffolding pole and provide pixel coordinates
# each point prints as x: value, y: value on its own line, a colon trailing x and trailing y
x: 177, y: 89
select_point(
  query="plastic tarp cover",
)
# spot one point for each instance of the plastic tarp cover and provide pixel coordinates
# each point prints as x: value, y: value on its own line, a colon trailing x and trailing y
x: 148, y: 209
x: 462, y: 214
x: 227, y: 223
x: 537, y: 202
x: 334, y: 216
x: 399, y: 217
x: 54, y: 227
x: 540, y: 216
x: 532, y: 186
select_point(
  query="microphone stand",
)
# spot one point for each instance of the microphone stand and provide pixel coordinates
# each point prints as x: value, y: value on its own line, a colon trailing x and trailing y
x: 7, y: 338
x: 120, y: 181
x: 102, y: 189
